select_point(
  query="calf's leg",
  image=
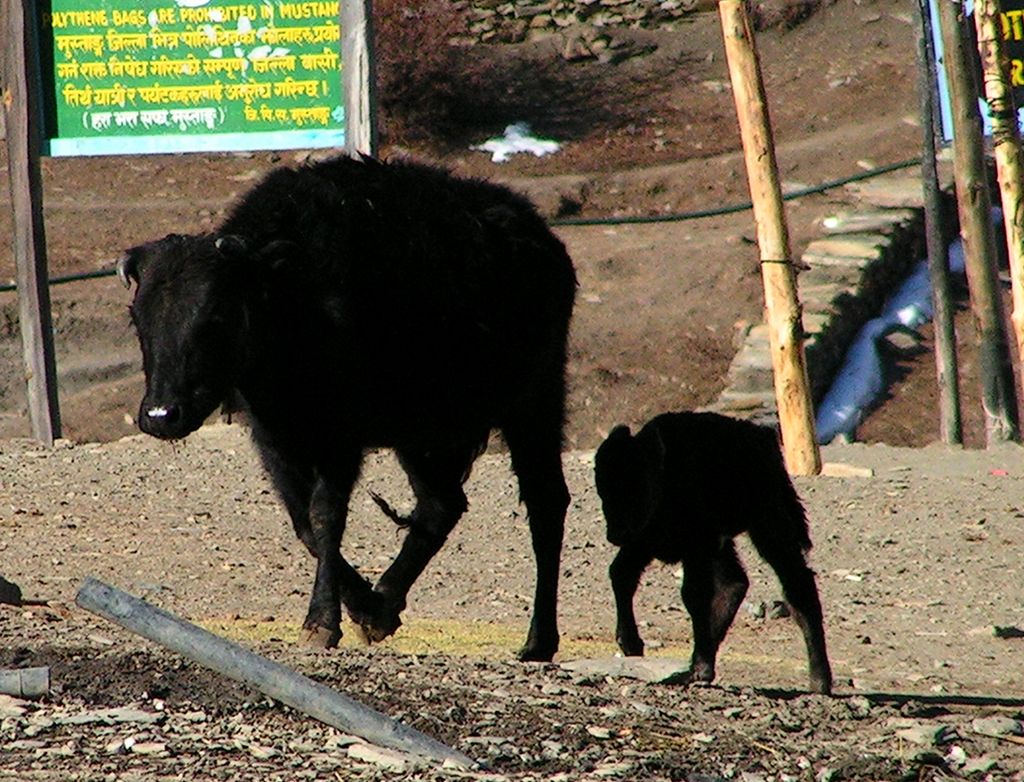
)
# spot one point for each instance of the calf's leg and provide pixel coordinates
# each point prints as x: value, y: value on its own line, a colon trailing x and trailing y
x: 624, y: 572
x: 797, y: 579
x: 714, y: 584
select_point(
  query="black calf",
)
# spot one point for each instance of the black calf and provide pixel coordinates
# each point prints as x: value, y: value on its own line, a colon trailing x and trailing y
x: 680, y: 491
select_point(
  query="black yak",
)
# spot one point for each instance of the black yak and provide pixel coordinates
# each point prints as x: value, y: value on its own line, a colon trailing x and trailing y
x: 680, y: 490
x: 356, y: 304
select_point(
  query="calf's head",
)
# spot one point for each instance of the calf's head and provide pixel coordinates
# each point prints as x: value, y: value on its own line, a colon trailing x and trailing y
x: 190, y: 314
x: 629, y: 471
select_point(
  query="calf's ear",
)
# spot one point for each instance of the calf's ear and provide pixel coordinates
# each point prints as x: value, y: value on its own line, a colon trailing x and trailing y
x: 654, y: 451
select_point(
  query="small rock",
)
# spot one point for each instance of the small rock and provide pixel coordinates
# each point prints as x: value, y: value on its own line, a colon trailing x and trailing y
x: 614, y: 769
x: 980, y: 765
x: 998, y: 726
x: 148, y: 748
x: 389, y: 759
x: 657, y: 670
x: 600, y: 732
x: 12, y: 707
x: 927, y: 735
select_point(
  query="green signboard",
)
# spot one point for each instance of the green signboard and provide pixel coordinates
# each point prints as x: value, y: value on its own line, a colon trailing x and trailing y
x: 132, y: 76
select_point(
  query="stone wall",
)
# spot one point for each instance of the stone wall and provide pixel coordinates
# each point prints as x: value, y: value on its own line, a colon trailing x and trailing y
x: 512, y: 21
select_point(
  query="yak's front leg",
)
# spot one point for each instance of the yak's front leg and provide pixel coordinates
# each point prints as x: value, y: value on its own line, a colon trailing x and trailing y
x: 436, y: 479
x: 336, y: 581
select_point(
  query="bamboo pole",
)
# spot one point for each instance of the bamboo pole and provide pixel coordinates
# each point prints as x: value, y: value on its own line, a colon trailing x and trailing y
x: 1006, y: 146
x: 22, y: 94
x: 936, y: 240
x: 785, y: 327
x: 999, y: 399
x: 359, y: 76
x: 270, y: 678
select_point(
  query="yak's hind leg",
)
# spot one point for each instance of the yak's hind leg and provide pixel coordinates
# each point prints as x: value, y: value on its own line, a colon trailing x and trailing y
x: 786, y: 558
x: 535, y: 447
x: 714, y: 584
x: 436, y: 478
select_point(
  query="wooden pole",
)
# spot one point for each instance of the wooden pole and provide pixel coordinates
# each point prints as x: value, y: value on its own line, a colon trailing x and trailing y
x: 936, y: 239
x: 21, y: 99
x: 999, y: 399
x: 1006, y: 146
x: 359, y: 77
x: 785, y: 328
x: 268, y: 677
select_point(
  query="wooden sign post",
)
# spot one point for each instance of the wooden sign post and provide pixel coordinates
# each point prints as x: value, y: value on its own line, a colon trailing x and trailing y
x: 785, y: 327
x: 359, y: 76
x: 21, y: 109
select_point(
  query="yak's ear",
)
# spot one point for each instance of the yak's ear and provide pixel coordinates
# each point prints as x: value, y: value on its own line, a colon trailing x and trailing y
x: 231, y: 246
x: 128, y: 266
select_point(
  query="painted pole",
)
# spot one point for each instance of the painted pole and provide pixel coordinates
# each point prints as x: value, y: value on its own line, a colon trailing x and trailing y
x: 999, y: 399
x: 785, y: 326
x: 1006, y: 147
x: 270, y: 678
x: 936, y: 240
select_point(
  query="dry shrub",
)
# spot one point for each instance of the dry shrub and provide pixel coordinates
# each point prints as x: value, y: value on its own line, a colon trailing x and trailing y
x: 787, y: 14
x: 422, y: 77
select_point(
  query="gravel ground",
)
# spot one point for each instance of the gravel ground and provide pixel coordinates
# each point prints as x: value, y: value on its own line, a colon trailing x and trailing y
x: 918, y: 566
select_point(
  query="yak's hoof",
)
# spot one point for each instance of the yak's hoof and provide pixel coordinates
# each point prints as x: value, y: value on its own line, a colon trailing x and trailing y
x: 376, y: 630
x: 378, y: 624
x: 821, y: 686
x: 537, y: 653
x: 319, y: 637
x: 632, y: 648
x: 702, y: 674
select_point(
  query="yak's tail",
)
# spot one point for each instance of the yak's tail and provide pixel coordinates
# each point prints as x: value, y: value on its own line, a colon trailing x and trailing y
x: 387, y: 510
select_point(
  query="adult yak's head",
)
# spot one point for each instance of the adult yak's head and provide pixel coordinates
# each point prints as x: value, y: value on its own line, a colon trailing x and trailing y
x: 191, y: 317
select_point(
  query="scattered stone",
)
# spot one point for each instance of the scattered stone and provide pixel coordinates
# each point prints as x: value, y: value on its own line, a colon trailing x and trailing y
x: 842, y: 470
x: 112, y: 717
x: 927, y: 735
x: 148, y: 748
x: 656, y: 670
x: 12, y: 707
x: 998, y: 726
x: 389, y: 759
x: 980, y: 765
